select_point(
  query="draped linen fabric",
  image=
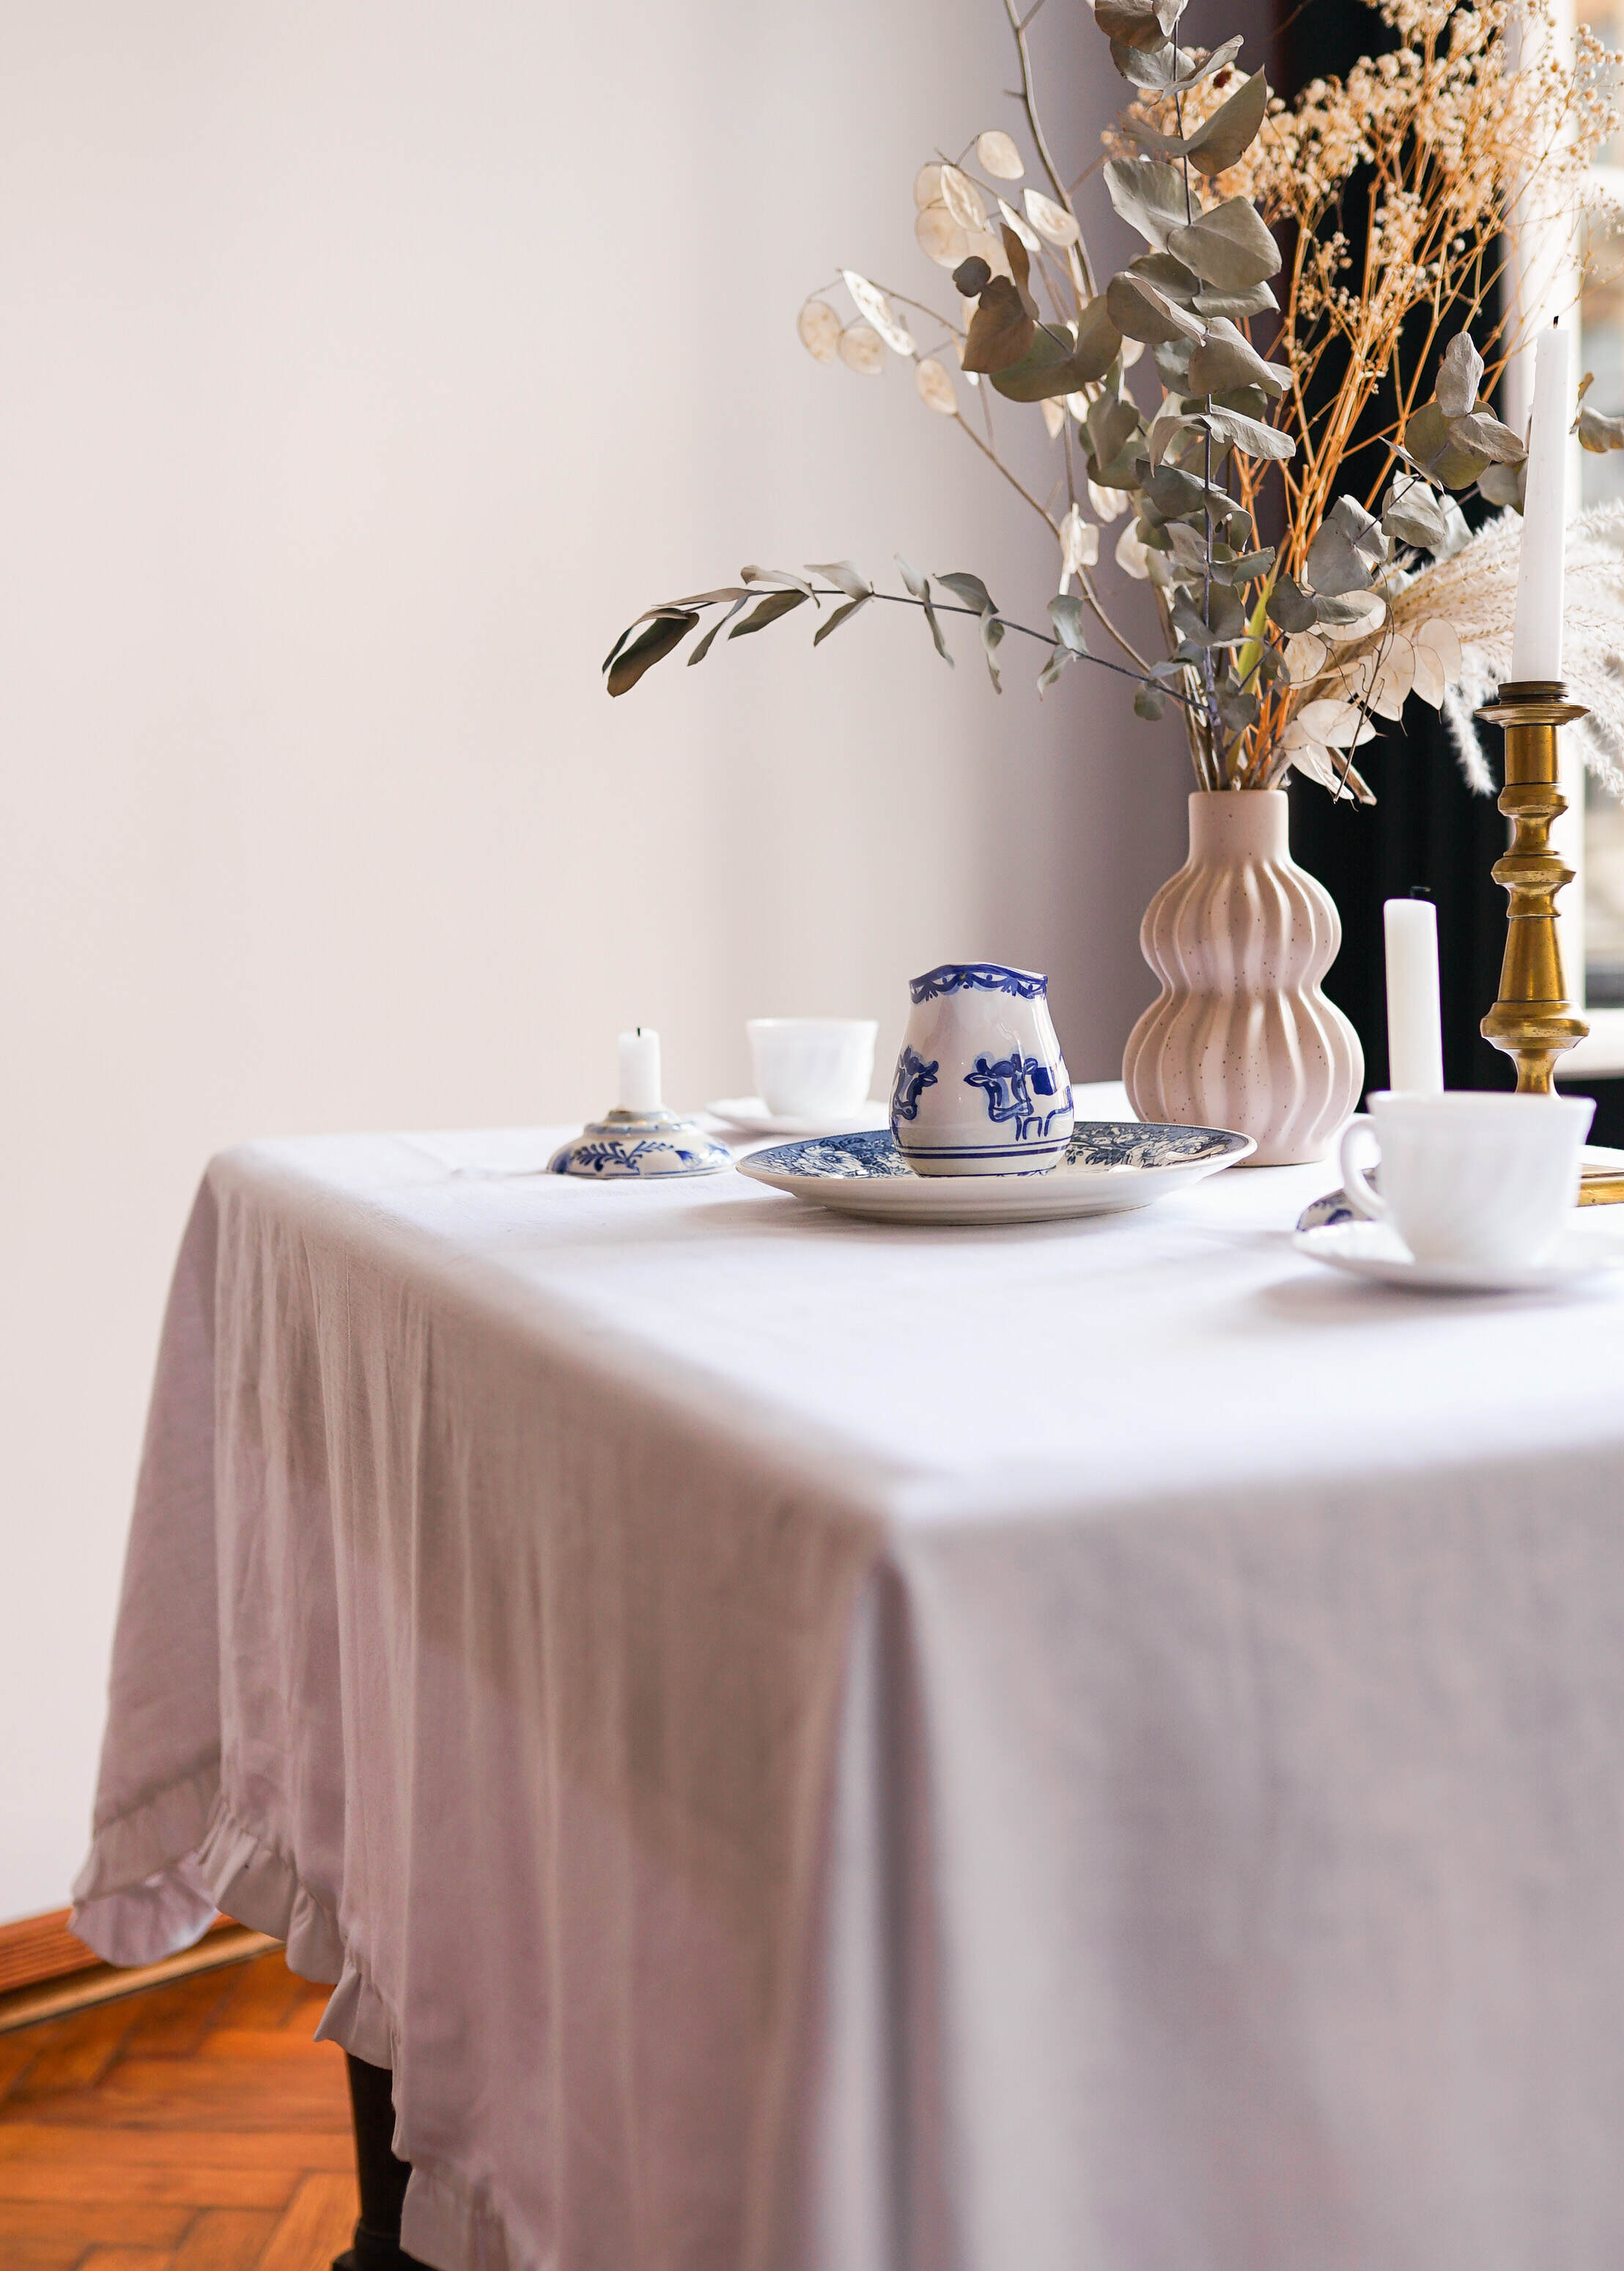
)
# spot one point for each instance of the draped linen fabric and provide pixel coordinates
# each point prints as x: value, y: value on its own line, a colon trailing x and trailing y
x: 817, y: 1748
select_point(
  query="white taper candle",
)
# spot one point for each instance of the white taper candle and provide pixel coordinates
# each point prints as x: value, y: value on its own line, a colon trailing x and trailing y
x: 1414, y: 1033
x: 640, y: 1070
x: 1537, y: 640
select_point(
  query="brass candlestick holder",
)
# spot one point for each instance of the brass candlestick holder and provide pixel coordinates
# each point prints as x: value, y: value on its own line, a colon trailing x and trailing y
x: 1533, y: 1021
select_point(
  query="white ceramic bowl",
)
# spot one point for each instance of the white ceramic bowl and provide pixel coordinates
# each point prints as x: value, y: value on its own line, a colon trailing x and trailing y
x: 807, y: 1065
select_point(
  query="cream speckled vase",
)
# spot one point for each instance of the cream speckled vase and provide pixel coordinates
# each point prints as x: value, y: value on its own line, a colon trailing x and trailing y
x: 1242, y: 1036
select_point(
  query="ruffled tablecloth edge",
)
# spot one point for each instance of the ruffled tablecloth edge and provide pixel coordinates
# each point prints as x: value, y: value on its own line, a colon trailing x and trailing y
x: 151, y: 1884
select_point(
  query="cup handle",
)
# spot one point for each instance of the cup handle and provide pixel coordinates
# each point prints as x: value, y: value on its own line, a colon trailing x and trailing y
x: 1360, y: 1135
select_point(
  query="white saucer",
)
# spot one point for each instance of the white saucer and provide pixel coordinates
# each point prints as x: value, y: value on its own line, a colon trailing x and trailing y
x: 751, y: 1117
x: 1108, y: 1166
x: 1370, y: 1249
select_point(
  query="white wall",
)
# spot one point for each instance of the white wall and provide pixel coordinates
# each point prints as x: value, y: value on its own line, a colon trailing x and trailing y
x: 365, y: 368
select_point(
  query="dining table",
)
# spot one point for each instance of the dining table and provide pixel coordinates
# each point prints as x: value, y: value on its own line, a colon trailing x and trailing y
x: 814, y: 1745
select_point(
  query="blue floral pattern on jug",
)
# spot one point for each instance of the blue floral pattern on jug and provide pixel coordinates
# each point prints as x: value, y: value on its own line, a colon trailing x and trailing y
x: 982, y: 977
x: 1011, y: 1085
x: 914, y: 1076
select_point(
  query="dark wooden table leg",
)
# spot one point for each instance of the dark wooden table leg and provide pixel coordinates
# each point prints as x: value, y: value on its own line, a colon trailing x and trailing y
x: 382, y: 2178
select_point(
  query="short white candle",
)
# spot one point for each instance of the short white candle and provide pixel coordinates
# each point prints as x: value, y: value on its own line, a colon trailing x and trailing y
x: 1537, y: 640
x: 640, y: 1070
x: 1414, y: 1033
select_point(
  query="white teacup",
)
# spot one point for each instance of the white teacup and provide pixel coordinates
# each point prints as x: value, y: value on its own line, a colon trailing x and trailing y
x: 810, y: 1066
x: 1469, y: 1177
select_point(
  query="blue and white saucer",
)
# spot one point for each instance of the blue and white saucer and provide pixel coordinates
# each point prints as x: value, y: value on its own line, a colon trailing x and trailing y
x: 1109, y: 1165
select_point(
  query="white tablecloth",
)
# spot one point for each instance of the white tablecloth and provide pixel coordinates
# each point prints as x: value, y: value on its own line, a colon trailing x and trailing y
x: 813, y: 1747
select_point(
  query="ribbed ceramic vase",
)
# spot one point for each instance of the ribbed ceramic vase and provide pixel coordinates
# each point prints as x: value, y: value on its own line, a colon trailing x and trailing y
x: 1242, y: 1036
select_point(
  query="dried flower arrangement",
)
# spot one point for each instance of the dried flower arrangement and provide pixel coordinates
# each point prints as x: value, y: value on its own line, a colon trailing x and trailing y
x: 1309, y: 572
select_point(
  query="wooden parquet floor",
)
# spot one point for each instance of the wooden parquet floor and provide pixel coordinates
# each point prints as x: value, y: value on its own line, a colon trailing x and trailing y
x: 193, y: 2126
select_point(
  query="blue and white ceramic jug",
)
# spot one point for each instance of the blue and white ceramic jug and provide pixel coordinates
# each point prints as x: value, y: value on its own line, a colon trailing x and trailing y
x: 980, y: 1087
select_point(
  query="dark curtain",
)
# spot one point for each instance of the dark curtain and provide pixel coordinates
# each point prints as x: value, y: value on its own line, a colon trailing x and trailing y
x: 1427, y: 827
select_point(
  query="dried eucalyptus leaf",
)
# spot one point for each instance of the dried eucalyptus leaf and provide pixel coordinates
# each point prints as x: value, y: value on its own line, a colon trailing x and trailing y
x: 919, y: 588
x: 1149, y: 196
x: 721, y: 624
x: 971, y: 277
x: 940, y: 237
x: 1065, y: 612
x: 1232, y: 128
x: 1001, y: 330
x: 971, y: 590
x: 767, y: 611
x: 1147, y: 24
x: 627, y: 662
x: 1098, y: 343
x: 874, y: 304
x: 1459, y: 375
x: 1481, y: 434
x: 1249, y: 436
x: 1598, y: 434
x: 1188, y: 545
x: 1170, y: 277
x: 1238, y: 706
x: 778, y: 578
x: 1226, y: 358
x: 1050, y: 221
x: 1111, y: 426
x: 962, y: 198
x: 999, y: 156
x: 1045, y: 369
x: 1504, y: 485
x: 1060, y: 660
x: 1362, y: 530
x: 1169, y: 71
x: 819, y: 328
x: 1229, y: 247
x: 1353, y: 616
x: 1149, y: 702
x: 840, y: 615
x: 1221, y: 621
x: 863, y: 350
x: 844, y: 578
x: 1257, y: 300
x: 1245, y: 568
x: 1334, y: 566
x: 991, y: 640
x: 1411, y: 514
x: 1141, y: 311
x: 936, y: 387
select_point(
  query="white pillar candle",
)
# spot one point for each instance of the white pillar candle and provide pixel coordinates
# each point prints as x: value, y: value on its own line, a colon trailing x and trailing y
x: 1414, y: 1033
x: 640, y: 1070
x: 1536, y: 641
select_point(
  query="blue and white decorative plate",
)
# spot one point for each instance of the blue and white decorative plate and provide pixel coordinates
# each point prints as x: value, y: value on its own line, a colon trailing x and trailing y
x: 1109, y: 1165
